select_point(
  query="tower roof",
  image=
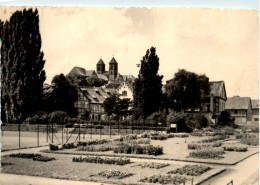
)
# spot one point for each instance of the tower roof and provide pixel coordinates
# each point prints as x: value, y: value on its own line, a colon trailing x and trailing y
x: 100, y: 62
x: 113, y: 61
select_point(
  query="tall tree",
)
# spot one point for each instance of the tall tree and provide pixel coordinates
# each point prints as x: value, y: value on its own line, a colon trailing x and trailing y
x: 187, y: 90
x: 22, y: 63
x: 148, y: 86
x: 63, y: 96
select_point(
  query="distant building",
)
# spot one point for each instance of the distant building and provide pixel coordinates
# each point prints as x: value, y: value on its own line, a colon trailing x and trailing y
x: 240, y: 108
x: 91, y: 99
x: 255, y: 111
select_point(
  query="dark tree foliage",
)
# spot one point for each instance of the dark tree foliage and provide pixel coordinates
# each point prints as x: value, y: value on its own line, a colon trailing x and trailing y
x: 117, y: 106
x: 95, y: 81
x: 148, y: 86
x: 63, y: 96
x: 224, y: 118
x: 187, y: 90
x: 22, y: 63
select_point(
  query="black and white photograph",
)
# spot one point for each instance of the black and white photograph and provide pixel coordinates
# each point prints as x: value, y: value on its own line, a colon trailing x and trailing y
x: 129, y: 94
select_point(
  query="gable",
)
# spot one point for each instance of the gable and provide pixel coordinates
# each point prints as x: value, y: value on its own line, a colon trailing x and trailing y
x: 217, y: 89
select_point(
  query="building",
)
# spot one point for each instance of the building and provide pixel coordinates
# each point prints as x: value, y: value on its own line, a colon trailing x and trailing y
x: 240, y: 108
x: 90, y: 99
x: 255, y: 111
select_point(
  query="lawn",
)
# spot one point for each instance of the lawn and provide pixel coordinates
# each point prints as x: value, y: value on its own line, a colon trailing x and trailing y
x: 64, y: 168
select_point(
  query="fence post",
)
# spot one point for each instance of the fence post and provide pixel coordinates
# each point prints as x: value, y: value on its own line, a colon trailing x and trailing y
x: 192, y: 181
x: 19, y: 129
x: 62, y: 133
x: 38, y: 135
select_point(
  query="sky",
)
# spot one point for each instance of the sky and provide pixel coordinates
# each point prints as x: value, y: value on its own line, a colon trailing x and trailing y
x: 222, y: 43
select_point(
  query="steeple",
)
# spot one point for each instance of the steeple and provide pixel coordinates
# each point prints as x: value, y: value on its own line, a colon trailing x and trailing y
x: 113, y: 69
x: 100, y: 67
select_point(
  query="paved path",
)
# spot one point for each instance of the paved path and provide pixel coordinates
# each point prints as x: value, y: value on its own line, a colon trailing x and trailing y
x: 10, y: 179
x: 244, y: 173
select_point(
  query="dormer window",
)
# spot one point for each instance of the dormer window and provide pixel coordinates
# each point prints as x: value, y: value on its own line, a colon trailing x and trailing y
x: 124, y: 93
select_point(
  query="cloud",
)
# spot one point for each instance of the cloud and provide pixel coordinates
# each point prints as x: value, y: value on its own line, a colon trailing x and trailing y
x: 221, y: 43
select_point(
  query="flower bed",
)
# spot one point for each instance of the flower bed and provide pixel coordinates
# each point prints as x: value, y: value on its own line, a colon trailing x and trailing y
x: 53, y: 147
x: 153, y: 165
x: 193, y: 170
x: 208, y: 153
x: 35, y: 157
x: 164, y: 179
x: 195, y: 146
x: 235, y: 148
x: 181, y: 135
x: 69, y: 145
x: 141, y: 141
x: 249, y: 139
x: 114, y: 174
x: 197, y: 133
x: 95, y: 148
x: 126, y: 137
x: 216, y: 138
x: 159, y: 137
x: 97, y: 159
x: 170, y: 135
x: 138, y: 149
x: 95, y: 142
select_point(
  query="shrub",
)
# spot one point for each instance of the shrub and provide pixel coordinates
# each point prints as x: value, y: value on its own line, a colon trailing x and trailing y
x: 138, y: 149
x: 114, y: 174
x: 43, y: 158
x: 35, y: 157
x: 193, y: 170
x: 164, y: 179
x: 153, y: 165
x: 53, y: 147
x: 95, y: 148
x: 97, y: 159
x: 159, y: 137
x: 250, y: 139
x: 94, y: 142
x: 181, y: 135
x: 170, y: 135
x: 194, y: 146
x: 235, y: 148
x: 207, y: 153
x: 69, y: 145
x: 25, y: 155
x: 143, y: 141
x: 216, y: 138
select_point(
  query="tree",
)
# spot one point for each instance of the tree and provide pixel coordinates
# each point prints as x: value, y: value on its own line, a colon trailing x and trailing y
x: 224, y: 118
x: 95, y: 81
x: 22, y: 63
x: 62, y: 97
x: 117, y: 106
x: 187, y: 90
x: 148, y: 86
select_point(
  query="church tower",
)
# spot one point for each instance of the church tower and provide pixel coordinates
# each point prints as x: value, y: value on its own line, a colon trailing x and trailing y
x: 100, y: 67
x: 113, y: 69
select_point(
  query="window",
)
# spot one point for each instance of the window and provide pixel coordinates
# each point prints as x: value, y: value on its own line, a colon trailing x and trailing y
x: 124, y: 93
x: 256, y: 119
x: 235, y: 112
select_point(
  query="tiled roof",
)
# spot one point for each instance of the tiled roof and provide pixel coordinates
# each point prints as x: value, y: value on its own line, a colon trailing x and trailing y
x: 47, y: 89
x: 113, y: 85
x: 102, y: 76
x: 77, y: 71
x: 95, y: 95
x: 255, y: 104
x: 216, y: 88
x: 238, y: 103
x: 90, y: 73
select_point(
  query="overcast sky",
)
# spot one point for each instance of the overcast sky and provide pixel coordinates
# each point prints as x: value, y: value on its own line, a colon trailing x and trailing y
x: 223, y: 44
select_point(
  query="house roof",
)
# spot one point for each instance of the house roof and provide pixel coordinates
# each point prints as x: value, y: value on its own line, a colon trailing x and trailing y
x: 96, y: 95
x: 238, y: 103
x: 100, y: 62
x: 255, y: 104
x: 113, y: 61
x: 90, y: 72
x: 48, y: 89
x: 113, y: 85
x: 77, y: 71
x: 102, y: 76
x: 216, y: 87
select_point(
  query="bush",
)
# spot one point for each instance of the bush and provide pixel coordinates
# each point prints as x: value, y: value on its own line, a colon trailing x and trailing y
x: 69, y: 145
x: 235, y: 148
x: 35, y: 157
x: 53, y: 147
x: 97, y: 159
x: 43, y: 158
x: 207, y: 153
x: 250, y: 139
x: 94, y: 142
x: 216, y: 138
x: 114, y: 174
x: 164, y: 179
x: 95, y: 148
x: 138, y: 149
x: 181, y: 135
x: 192, y: 170
x: 194, y: 146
